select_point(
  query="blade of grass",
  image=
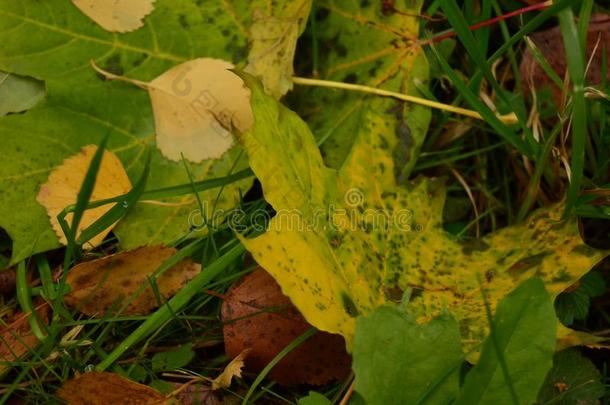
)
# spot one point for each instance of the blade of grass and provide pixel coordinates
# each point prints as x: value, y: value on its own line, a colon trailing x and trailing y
x: 163, y: 314
x: 278, y: 357
x: 82, y: 198
x: 462, y: 28
x: 25, y: 301
x: 120, y: 209
x: 576, y: 68
x: 489, y: 116
x: 534, y: 183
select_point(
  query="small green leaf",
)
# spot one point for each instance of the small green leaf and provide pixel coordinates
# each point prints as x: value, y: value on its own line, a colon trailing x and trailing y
x: 398, y: 361
x: 173, y: 359
x: 314, y: 398
x: 572, y: 380
x: 19, y: 93
x: 524, y: 331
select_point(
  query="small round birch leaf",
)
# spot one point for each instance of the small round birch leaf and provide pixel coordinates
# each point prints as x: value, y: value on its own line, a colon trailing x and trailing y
x: 196, y: 105
x: 116, y: 15
x: 259, y: 317
x: 64, y: 182
x: 101, y: 388
x: 101, y: 286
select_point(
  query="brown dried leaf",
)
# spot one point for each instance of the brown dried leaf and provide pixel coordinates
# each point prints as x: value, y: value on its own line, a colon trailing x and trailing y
x: 550, y: 44
x: 116, y: 15
x: 97, y: 388
x: 64, y: 182
x: 16, y: 337
x: 103, y: 284
x: 266, y: 322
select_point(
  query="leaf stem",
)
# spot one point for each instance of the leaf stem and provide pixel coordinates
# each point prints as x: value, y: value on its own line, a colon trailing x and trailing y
x: 507, y: 119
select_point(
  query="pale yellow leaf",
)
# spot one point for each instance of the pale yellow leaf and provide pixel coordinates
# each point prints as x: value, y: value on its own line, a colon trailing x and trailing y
x: 116, y: 15
x: 233, y: 369
x: 101, y: 388
x: 63, y: 184
x: 105, y: 284
x: 196, y: 106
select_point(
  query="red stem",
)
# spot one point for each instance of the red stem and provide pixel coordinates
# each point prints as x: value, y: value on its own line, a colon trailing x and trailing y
x: 491, y: 21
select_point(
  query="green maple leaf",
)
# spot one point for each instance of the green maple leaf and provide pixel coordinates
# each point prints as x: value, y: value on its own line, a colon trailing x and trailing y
x: 54, y: 42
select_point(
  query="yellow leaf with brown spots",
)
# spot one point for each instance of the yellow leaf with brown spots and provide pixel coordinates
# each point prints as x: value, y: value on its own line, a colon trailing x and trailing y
x: 105, y: 285
x: 343, y: 243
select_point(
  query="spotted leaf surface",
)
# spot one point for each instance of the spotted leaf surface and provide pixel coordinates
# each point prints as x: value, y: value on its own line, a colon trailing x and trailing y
x: 373, y: 43
x: 345, y: 242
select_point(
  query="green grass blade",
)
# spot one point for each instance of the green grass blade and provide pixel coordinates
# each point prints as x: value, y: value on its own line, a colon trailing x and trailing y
x: 120, y: 209
x: 178, y: 301
x: 576, y: 68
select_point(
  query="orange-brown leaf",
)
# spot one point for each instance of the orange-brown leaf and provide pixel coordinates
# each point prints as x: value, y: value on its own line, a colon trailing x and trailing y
x: 259, y: 317
x: 97, y: 388
x: 104, y: 284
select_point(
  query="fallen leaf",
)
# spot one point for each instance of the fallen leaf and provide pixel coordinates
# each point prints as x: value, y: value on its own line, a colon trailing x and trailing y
x: 19, y: 93
x: 550, y: 44
x: 64, y: 182
x: 101, y: 388
x: 116, y: 15
x: 196, y: 105
x: 17, y: 338
x: 259, y: 317
x: 233, y: 369
x: 101, y: 285
x: 346, y: 242
x: 273, y: 40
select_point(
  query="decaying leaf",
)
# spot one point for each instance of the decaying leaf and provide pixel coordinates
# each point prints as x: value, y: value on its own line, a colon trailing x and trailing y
x: 17, y: 338
x: 63, y: 184
x: 116, y: 15
x: 103, y: 285
x: 233, y: 369
x: 19, y: 93
x: 273, y: 40
x: 345, y: 242
x: 550, y: 44
x: 101, y: 388
x: 196, y: 105
x: 259, y: 317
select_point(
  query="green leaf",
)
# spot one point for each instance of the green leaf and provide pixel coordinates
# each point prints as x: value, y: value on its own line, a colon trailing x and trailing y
x: 572, y: 380
x: 314, y: 398
x: 398, y: 361
x: 19, y: 93
x: 346, y: 242
x: 81, y: 107
x: 368, y: 43
x: 523, y: 338
x: 173, y: 359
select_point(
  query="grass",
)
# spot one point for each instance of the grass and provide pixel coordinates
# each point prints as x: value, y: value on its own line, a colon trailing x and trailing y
x: 507, y: 170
